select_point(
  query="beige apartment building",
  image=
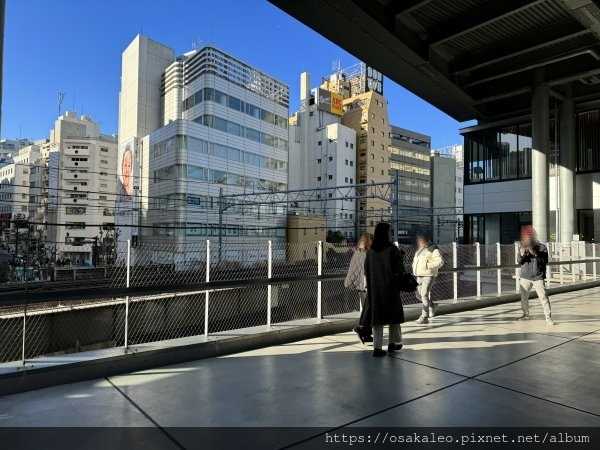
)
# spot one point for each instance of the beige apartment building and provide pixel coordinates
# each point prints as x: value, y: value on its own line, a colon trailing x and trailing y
x: 365, y: 111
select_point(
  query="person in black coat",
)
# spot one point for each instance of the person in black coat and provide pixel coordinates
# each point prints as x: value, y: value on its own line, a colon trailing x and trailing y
x: 383, y: 270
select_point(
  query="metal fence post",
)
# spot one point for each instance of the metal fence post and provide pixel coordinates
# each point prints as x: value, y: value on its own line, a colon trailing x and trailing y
x: 594, y: 265
x: 206, y: 293
x: 319, y: 272
x: 478, y: 261
x: 455, y: 266
x: 585, y: 257
x: 561, y: 273
x: 499, y: 262
x: 517, y: 271
x: 127, y: 282
x: 269, y: 287
x: 574, y: 257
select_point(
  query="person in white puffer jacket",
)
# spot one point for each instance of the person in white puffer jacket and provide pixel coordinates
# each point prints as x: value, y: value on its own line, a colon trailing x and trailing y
x: 426, y: 263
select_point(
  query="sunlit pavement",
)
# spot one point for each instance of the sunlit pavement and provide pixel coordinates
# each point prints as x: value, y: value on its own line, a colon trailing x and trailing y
x: 478, y: 368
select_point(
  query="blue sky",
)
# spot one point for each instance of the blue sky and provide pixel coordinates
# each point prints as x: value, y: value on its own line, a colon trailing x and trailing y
x: 75, y: 46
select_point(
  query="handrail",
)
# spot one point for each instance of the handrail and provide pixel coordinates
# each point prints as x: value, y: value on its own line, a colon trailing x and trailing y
x: 98, y: 293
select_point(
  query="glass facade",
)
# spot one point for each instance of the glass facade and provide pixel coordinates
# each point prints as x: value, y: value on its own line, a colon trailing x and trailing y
x: 498, y: 154
x: 214, y: 95
x: 503, y: 228
x: 181, y: 142
x: 196, y: 173
x: 230, y: 127
x: 588, y: 141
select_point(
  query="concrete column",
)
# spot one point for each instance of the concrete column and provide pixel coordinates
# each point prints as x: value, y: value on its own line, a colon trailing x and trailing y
x: 568, y: 161
x: 540, y: 111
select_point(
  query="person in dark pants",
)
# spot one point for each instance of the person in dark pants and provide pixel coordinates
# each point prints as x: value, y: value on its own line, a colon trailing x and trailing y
x: 355, y: 279
x: 533, y: 258
x: 383, y: 269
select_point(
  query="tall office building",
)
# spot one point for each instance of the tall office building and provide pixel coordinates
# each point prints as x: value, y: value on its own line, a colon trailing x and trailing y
x: 199, y: 126
x: 410, y: 164
x: 322, y: 155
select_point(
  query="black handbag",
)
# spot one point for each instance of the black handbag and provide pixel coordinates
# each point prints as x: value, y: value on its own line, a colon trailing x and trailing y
x: 407, y: 283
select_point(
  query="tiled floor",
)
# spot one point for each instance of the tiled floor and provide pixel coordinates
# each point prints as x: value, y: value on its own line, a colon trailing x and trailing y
x: 528, y: 373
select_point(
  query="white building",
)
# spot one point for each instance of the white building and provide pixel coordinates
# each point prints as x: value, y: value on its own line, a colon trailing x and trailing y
x: 197, y: 126
x: 323, y: 155
x: 15, y: 198
x: 8, y: 146
x: 79, y: 178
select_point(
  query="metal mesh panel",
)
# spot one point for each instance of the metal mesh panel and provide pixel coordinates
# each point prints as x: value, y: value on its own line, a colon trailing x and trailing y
x: 11, y: 336
x: 336, y: 299
x: 80, y: 325
x: 295, y: 260
x: 165, y: 317
x: 232, y: 309
x: 239, y: 261
x: 295, y: 301
x: 59, y: 330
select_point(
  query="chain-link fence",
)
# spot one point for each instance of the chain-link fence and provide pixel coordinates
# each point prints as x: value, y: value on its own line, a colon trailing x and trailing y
x: 261, y: 284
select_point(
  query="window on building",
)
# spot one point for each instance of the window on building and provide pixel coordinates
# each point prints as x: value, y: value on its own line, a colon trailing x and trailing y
x: 372, y: 129
x: 372, y: 115
x: 331, y: 158
x: 588, y: 141
x: 330, y: 177
x: 351, y: 180
x: 319, y: 143
x: 372, y: 156
x: 347, y: 144
x: 318, y: 178
x: 351, y: 163
x: 372, y: 143
x: 319, y: 161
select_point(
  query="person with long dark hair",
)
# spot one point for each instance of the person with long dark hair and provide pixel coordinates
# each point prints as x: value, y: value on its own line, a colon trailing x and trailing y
x: 355, y: 279
x: 383, y: 270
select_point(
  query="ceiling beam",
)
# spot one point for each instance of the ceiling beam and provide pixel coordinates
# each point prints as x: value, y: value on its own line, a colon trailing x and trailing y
x: 555, y: 32
x: 522, y: 51
x: 476, y: 19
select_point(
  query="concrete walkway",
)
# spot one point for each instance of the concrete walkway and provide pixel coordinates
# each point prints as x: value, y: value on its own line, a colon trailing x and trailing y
x: 478, y: 368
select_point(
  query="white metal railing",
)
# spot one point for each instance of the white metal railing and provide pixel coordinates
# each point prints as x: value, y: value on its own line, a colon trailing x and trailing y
x: 286, y: 282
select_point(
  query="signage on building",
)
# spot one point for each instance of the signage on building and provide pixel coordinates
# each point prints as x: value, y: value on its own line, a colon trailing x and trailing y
x: 330, y: 102
x: 373, y: 80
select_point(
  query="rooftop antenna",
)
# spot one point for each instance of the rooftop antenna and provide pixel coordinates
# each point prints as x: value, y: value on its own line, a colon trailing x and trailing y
x: 336, y: 66
x: 60, y: 96
x: 197, y: 43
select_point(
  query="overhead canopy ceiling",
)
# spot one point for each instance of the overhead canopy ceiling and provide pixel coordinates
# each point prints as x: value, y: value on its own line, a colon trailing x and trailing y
x: 473, y: 59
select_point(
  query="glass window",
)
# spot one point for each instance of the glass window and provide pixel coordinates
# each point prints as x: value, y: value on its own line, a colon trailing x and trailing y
x: 233, y: 154
x: 235, y: 103
x: 253, y: 134
x: 509, y: 153
x: 220, y: 124
x: 198, y: 97
x: 525, y: 144
x: 209, y: 95
x: 220, y: 98
x: 197, y: 173
x: 234, y: 128
x: 588, y: 140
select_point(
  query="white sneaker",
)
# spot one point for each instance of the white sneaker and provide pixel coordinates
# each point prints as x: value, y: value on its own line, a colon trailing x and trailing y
x: 433, y: 311
x: 524, y: 317
x: 550, y: 322
x: 423, y: 320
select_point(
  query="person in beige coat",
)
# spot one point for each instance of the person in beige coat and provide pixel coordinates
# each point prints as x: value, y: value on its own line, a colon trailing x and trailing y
x: 426, y: 263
